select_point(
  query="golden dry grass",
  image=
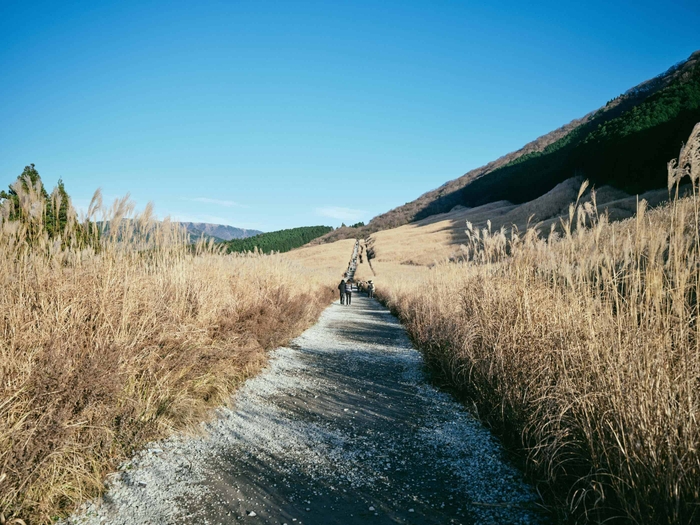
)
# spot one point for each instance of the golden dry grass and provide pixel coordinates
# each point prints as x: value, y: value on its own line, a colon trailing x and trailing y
x: 581, y: 348
x: 327, y: 262
x: 439, y: 237
x: 111, y: 343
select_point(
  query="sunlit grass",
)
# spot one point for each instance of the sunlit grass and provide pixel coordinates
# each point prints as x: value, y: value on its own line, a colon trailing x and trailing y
x: 581, y: 346
x: 115, y: 336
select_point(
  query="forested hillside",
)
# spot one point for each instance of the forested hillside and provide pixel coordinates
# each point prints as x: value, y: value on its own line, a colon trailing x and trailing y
x: 629, y: 152
x: 625, y: 143
x: 278, y: 241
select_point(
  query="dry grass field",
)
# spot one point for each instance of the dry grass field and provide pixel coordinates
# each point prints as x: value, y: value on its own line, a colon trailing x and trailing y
x: 326, y: 264
x: 575, y: 338
x: 579, y: 344
x: 109, y: 342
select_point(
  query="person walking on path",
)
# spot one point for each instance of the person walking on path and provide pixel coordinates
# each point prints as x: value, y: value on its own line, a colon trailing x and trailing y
x: 370, y: 289
x: 342, y: 287
x: 348, y: 294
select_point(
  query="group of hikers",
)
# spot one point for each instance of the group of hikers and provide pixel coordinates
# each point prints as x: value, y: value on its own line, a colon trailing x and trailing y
x: 347, y: 286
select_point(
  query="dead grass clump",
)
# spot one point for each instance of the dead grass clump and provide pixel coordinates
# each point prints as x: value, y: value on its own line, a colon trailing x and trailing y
x: 118, y: 336
x: 584, y: 347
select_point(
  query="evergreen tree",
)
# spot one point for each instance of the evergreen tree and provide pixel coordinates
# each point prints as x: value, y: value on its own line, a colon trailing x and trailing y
x: 30, y: 203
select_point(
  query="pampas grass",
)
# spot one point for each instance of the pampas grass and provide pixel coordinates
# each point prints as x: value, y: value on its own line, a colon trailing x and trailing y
x: 117, y: 332
x: 581, y: 346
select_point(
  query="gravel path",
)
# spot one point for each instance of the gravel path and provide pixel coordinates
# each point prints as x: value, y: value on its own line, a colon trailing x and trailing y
x: 342, y: 427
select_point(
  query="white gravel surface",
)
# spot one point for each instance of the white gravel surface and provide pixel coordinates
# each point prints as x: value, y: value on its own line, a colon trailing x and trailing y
x: 342, y: 427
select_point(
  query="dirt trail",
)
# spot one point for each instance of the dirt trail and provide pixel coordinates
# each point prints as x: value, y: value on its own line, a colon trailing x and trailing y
x: 342, y: 427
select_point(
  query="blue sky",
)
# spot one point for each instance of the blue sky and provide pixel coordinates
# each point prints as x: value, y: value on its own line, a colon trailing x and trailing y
x: 272, y: 115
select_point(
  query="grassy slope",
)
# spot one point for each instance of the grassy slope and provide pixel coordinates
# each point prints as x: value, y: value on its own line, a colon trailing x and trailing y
x: 588, y: 377
x: 581, y: 354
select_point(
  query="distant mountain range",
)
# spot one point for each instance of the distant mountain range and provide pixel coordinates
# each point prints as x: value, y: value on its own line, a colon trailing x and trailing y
x: 220, y: 232
x: 625, y: 144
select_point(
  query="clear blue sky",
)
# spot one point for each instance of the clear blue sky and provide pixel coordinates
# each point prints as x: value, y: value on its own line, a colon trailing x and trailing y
x: 278, y: 114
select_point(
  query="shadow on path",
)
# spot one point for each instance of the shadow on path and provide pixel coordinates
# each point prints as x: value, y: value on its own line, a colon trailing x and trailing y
x: 344, y: 429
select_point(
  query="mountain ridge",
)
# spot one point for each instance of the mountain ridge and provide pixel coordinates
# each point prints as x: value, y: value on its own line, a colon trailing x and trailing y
x: 465, y: 190
x: 220, y: 232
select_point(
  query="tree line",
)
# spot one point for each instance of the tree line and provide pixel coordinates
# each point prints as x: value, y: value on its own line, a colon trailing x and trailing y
x: 278, y: 241
x: 44, y: 215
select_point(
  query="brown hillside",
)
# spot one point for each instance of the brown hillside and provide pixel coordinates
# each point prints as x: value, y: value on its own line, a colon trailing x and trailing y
x: 426, y: 242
